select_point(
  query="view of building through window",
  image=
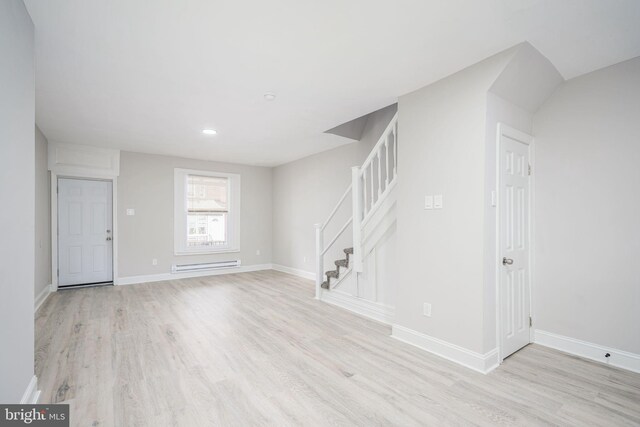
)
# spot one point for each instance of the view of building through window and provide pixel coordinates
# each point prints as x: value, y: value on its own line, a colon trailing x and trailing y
x: 207, y: 210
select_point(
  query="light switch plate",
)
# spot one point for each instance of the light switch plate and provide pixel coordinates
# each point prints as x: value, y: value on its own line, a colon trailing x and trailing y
x: 494, y: 198
x: 437, y: 201
x: 428, y: 202
x: 131, y: 212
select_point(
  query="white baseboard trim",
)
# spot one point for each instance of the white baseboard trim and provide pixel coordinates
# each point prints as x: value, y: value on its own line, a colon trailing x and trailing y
x: 370, y: 309
x: 296, y: 272
x: 31, y: 394
x: 41, y: 297
x: 618, y: 358
x: 132, y: 280
x: 483, y: 363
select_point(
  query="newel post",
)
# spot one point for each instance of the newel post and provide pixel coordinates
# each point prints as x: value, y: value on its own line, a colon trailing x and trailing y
x: 356, y: 193
x: 319, y: 263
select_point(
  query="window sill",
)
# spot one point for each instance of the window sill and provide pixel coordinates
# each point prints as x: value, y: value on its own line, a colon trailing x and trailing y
x: 206, y: 252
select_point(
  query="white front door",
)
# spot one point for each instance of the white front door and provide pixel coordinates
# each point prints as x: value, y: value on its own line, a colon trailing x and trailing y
x: 85, y: 232
x: 514, y: 242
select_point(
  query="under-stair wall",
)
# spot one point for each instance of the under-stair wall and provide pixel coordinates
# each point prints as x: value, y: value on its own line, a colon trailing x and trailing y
x: 372, y: 292
x: 442, y: 263
x: 446, y: 301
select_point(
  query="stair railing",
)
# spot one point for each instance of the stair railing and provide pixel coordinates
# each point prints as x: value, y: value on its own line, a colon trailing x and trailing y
x: 320, y: 248
x: 371, y: 183
x: 378, y: 173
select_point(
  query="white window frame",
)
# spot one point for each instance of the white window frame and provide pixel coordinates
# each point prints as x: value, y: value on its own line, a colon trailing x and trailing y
x: 180, y: 213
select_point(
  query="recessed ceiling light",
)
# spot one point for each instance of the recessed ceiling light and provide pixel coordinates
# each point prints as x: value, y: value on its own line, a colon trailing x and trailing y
x: 269, y: 96
x: 209, y: 131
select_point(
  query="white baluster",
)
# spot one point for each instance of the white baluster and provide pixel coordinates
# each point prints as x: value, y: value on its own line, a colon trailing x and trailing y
x: 386, y: 148
x: 379, y: 173
x: 372, y: 189
x: 395, y: 149
x: 364, y: 190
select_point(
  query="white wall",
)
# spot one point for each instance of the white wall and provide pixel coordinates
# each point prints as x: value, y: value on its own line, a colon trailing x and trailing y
x: 306, y: 190
x: 441, y: 252
x: 43, y: 216
x: 587, y: 269
x: 146, y: 184
x: 384, y: 270
x: 17, y: 176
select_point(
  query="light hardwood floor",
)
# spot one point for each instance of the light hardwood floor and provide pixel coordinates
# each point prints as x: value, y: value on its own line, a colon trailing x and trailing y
x: 257, y: 349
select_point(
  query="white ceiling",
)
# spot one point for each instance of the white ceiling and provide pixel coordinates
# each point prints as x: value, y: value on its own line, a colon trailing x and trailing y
x: 148, y: 76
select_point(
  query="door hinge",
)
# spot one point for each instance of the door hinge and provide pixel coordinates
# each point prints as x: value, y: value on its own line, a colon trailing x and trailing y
x: 529, y: 169
x: 530, y: 321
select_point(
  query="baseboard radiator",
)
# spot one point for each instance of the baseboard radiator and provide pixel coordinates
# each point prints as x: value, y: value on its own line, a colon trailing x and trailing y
x: 184, y: 268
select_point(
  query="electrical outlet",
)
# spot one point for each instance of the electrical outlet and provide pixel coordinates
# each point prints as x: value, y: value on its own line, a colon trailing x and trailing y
x: 258, y: 252
x: 131, y: 212
x: 304, y: 259
x: 154, y: 262
x: 426, y: 309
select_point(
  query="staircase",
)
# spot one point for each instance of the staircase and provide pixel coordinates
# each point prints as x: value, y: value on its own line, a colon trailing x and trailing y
x: 371, y: 185
x: 344, y: 263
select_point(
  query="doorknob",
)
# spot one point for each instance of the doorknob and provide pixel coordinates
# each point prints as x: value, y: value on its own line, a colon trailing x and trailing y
x: 109, y: 238
x: 507, y: 261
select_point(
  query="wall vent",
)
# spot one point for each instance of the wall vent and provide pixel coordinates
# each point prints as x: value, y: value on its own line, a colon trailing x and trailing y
x: 182, y: 268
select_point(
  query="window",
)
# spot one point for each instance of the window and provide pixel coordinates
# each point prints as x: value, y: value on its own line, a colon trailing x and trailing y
x: 207, y: 212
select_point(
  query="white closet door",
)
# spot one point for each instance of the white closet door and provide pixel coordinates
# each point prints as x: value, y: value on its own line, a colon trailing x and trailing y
x: 514, y: 244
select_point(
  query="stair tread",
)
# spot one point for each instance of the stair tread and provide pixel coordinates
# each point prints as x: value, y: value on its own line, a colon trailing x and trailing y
x: 342, y: 263
x: 332, y: 273
x: 325, y: 285
x: 348, y: 251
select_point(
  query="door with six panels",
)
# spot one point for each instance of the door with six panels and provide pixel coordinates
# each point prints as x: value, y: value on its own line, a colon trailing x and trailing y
x: 85, y: 232
x: 514, y: 242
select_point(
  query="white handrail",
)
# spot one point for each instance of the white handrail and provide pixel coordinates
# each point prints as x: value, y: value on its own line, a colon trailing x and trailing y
x: 335, y: 210
x: 344, y: 227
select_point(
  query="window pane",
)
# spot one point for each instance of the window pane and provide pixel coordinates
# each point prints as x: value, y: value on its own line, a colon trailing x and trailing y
x: 206, y: 229
x: 207, y: 194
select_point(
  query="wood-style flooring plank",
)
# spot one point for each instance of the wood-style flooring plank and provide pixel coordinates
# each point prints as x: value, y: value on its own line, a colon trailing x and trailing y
x: 258, y: 349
